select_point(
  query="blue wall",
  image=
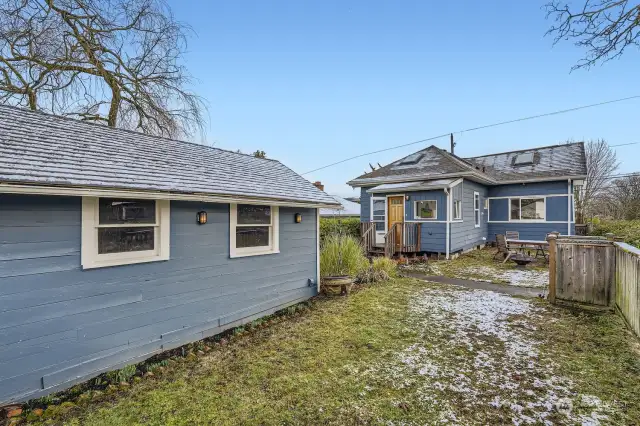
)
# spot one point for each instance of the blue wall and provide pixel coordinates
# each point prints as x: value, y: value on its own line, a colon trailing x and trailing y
x: 437, y: 195
x: 529, y: 231
x: 60, y: 324
x: 520, y: 189
x: 365, y: 205
x: 465, y: 235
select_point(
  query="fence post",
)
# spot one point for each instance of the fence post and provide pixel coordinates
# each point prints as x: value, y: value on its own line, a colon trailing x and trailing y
x: 552, y: 266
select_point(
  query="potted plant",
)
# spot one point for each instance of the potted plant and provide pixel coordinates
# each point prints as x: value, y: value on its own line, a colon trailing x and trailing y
x: 341, y: 259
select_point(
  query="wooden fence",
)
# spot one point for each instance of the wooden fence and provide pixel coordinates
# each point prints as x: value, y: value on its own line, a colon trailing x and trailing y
x: 596, y: 271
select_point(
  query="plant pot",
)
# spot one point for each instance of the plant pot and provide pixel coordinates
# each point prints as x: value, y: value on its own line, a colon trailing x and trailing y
x: 334, y: 286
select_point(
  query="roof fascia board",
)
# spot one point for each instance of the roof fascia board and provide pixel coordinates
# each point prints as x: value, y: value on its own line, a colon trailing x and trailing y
x: 367, y: 182
x: 6, y: 188
x: 545, y: 179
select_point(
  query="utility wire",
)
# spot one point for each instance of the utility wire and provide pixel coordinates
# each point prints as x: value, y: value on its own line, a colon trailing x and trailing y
x: 624, y: 144
x: 486, y: 126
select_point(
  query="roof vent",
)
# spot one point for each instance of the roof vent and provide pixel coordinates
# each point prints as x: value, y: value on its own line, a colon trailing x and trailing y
x: 522, y: 159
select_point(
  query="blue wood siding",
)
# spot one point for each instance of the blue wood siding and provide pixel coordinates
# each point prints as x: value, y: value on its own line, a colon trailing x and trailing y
x: 499, y: 209
x: 465, y: 235
x: 522, y: 189
x: 60, y: 324
x: 557, y: 209
x: 528, y: 231
x: 437, y: 195
x: 433, y: 237
x: 365, y: 205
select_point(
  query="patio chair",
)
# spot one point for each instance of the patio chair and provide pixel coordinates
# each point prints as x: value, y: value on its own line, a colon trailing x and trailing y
x: 512, y: 235
x: 503, y: 248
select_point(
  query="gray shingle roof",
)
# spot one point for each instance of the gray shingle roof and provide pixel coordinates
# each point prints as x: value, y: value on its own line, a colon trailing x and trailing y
x: 37, y: 148
x: 431, y: 163
x: 347, y: 208
x: 549, y: 161
x: 559, y: 161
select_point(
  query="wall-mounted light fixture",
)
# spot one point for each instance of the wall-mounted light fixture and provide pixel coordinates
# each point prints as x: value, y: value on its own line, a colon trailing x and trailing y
x: 406, y: 197
x: 298, y: 218
x: 201, y: 217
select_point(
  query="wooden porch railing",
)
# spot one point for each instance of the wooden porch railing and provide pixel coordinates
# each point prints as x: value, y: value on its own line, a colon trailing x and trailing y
x: 368, y: 235
x: 402, y: 238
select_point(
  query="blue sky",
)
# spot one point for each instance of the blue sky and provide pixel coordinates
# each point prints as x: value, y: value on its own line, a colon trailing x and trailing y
x: 311, y: 83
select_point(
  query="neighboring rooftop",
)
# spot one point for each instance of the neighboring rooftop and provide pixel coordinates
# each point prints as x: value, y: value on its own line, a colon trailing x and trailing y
x: 547, y: 162
x: 43, y: 149
x: 348, y: 208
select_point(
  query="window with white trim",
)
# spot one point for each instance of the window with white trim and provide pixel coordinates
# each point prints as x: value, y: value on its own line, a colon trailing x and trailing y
x: 527, y: 209
x: 457, y: 210
x: 122, y: 231
x: 426, y: 209
x: 253, y: 230
x: 476, y: 208
x: 378, y: 206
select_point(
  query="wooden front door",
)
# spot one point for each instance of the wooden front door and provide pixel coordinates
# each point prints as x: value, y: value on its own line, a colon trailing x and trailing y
x: 395, y: 210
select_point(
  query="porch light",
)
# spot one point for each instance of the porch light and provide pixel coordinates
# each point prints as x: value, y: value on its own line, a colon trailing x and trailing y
x: 298, y: 218
x: 201, y: 217
x: 406, y: 197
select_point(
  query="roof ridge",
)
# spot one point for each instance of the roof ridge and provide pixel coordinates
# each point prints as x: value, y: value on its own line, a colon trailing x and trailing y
x: 527, y: 149
x: 117, y: 129
x: 459, y: 159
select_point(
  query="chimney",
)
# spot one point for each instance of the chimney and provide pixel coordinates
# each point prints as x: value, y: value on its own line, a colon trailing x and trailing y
x: 453, y: 144
x: 318, y: 185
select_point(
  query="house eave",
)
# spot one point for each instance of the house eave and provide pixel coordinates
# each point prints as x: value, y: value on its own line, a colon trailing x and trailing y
x: 542, y: 179
x: 85, y: 191
x: 355, y: 183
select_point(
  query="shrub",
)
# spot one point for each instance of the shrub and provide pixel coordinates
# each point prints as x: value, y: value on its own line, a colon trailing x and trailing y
x: 122, y: 375
x: 335, y: 225
x: 381, y: 269
x: 627, y: 229
x: 341, y: 255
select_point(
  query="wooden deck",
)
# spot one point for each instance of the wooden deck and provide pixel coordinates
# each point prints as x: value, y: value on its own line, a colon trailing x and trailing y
x: 401, y: 238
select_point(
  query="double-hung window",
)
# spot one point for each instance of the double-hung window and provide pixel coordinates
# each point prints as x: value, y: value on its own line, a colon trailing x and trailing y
x: 121, y: 231
x: 476, y: 208
x: 457, y: 209
x: 527, y: 209
x: 254, y: 230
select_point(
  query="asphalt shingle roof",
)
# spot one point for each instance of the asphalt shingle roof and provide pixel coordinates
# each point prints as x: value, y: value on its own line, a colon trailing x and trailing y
x: 559, y: 161
x: 37, y: 148
x: 549, y: 161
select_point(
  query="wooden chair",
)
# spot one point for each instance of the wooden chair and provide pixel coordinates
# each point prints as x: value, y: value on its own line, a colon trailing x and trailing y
x: 512, y: 235
x: 503, y: 248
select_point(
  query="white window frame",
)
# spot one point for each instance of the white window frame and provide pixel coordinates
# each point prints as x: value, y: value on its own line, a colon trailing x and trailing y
x: 544, y: 203
x: 476, y: 209
x: 416, y: 216
x: 457, y: 209
x: 274, y: 234
x: 90, y: 258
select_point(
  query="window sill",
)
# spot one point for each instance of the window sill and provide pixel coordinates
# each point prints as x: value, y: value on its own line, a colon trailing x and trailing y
x: 123, y: 262
x: 253, y: 253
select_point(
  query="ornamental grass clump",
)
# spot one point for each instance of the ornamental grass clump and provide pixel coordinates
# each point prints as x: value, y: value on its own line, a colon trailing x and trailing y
x: 381, y: 269
x: 341, y: 255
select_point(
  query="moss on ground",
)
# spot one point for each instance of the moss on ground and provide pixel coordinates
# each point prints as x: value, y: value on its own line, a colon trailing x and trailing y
x: 338, y: 363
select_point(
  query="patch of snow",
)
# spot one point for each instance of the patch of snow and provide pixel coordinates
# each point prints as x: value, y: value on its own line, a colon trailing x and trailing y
x: 480, y: 349
x: 515, y: 277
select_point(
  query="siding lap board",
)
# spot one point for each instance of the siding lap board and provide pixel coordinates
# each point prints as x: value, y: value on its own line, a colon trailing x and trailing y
x: 60, y: 324
x: 465, y: 235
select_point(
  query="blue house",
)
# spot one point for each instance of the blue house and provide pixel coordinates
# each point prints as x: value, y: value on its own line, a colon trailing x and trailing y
x: 435, y: 201
x: 115, y: 246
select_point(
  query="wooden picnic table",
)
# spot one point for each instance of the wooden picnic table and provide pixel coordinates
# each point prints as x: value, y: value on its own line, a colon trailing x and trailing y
x: 539, y: 245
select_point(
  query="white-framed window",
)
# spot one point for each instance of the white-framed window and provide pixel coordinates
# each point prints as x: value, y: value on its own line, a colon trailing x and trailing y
x: 527, y: 209
x: 378, y: 212
x: 457, y: 209
x: 426, y: 209
x: 254, y: 230
x: 122, y: 231
x: 476, y: 208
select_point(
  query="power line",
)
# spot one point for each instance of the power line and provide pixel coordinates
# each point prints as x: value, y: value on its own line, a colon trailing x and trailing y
x: 471, y: 129
x: 624, y: 144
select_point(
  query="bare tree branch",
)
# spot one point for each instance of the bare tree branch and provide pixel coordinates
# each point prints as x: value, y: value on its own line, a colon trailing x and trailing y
x: 605, y: 28
x: 117, y: 62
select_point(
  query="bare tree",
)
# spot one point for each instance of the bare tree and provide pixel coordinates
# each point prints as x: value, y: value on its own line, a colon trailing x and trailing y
x: 624, y: 197
x: 601, y: 163
x: 605, y: 28
x: 117, y: 62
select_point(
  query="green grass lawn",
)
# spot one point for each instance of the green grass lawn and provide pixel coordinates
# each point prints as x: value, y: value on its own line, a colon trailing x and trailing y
x: 402, y: 352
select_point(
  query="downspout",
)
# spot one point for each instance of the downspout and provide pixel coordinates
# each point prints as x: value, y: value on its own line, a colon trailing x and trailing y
x: 448, y: 224
x: 569, y: 200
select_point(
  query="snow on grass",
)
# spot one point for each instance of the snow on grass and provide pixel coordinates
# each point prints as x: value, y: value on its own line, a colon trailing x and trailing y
x: 515, y: 277
x: 477, y: 357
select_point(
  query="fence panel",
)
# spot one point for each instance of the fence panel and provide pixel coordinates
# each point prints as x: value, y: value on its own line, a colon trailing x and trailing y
x: 627, y: 282
x: 585, y: 270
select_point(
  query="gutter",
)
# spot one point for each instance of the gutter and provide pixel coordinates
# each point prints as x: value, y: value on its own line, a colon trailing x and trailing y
x: 569, y: 202
x: 448, y: 223
x: 77, y: 191
x: 418, y: 178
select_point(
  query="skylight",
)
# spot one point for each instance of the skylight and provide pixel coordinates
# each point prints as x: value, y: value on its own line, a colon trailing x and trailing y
x: 411, y: 159
x: 521, y: 159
